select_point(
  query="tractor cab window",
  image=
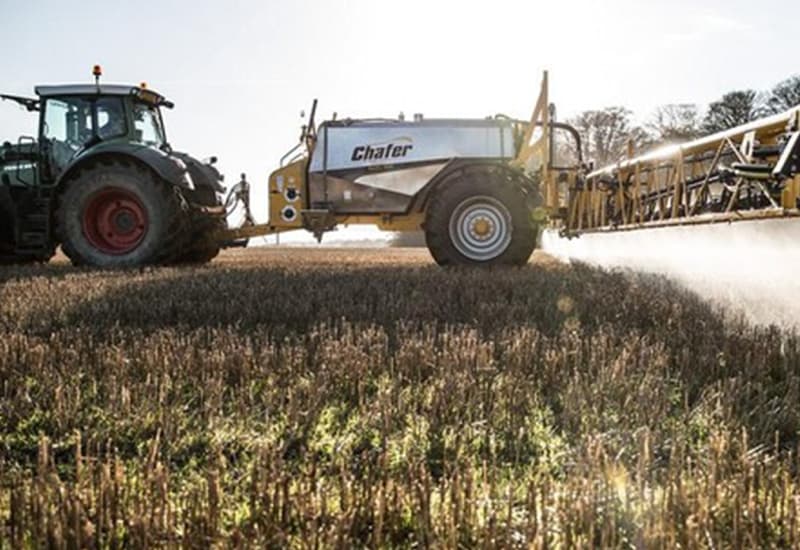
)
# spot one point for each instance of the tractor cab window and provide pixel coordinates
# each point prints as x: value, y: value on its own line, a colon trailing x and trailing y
x: 67, y: 127
x: 68, y: 121
x: 147, y: 125
x: 110, y: 118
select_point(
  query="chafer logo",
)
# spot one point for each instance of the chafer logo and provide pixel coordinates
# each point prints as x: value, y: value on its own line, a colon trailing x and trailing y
x: 394, y: 149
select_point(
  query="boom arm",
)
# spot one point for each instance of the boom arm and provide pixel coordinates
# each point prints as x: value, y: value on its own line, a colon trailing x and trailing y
x: 751, y: 171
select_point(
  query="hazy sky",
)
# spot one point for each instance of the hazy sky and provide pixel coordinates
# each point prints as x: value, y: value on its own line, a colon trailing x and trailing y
x: 241, y: 72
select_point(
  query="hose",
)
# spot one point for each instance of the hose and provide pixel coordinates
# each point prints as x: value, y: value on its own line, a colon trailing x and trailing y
x: 240, y: 194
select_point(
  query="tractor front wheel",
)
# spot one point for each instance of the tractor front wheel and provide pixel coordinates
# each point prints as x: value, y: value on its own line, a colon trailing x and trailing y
x: 120, y: 215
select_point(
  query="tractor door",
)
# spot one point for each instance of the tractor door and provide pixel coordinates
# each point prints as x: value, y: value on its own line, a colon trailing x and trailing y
x: 70, y: 125
x: 66, y: 128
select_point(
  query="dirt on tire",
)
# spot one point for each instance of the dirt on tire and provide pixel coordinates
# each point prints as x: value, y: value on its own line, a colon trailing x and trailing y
x: 202, y: 245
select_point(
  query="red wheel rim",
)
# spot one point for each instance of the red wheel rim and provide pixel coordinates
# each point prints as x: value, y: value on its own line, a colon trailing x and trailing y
x: 114, y: 221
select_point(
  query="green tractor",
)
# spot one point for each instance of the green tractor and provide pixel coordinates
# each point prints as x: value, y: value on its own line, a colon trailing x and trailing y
x: 102, y: 182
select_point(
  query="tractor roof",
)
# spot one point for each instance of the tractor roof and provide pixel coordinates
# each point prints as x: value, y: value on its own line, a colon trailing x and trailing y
x: 104, y: 89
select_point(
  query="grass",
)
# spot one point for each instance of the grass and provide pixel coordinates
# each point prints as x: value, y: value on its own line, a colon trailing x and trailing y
x: 318, y: 398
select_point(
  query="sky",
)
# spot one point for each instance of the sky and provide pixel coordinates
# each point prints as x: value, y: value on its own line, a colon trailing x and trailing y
x: 241, y: 72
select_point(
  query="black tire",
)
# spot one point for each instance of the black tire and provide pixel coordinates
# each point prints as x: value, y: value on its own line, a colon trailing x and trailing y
x: 492, y: 197
x: 159, y: 207
x: 7, y: 240
x: 202, y: 245
x: 8, y: 247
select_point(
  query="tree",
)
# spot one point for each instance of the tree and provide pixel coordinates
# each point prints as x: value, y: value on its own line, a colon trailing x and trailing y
x: 784, y: 95
x: 733, y: 109
x: 675, y: 123
x: 606, y: 134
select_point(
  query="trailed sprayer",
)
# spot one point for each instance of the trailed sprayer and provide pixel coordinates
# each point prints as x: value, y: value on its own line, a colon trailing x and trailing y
x: 456, y: 179
x: 482, y: 190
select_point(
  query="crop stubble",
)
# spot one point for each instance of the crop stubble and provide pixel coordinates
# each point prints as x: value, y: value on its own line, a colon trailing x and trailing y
x: 339, y: 398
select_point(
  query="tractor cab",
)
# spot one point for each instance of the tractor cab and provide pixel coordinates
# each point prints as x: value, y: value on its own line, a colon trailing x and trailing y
x: 79, y: 119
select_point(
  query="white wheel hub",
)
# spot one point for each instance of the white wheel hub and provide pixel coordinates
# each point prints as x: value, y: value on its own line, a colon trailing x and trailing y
x: 480, y: 228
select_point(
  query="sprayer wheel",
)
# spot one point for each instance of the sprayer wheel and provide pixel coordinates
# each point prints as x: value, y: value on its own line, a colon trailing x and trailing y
x: 480, y: 219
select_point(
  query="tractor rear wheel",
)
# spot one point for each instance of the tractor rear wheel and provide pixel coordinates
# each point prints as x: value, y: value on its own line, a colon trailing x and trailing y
x: 120, y: 215
x: 480, y: 219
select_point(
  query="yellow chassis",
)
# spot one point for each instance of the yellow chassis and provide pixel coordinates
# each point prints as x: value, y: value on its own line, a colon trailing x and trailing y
x: 385, y: 222
x: 288, y: 193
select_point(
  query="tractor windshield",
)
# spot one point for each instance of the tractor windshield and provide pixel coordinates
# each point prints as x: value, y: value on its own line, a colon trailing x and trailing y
x: 147, y: 125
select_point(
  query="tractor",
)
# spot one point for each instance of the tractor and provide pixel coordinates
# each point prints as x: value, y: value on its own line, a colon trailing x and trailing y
x: 102, y: 181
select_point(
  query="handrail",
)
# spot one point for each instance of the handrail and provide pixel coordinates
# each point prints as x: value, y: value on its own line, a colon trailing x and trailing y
x: 290, y: 152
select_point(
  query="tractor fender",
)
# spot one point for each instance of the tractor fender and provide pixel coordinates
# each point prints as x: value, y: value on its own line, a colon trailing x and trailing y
x: 455, y: 169
x: 169, y: 168
x: 203, y: 174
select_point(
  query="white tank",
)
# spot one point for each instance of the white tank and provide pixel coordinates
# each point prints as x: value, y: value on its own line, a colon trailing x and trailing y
x: 370, y: 166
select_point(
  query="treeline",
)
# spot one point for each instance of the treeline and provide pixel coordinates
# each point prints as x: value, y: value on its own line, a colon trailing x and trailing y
x: 606, y: 132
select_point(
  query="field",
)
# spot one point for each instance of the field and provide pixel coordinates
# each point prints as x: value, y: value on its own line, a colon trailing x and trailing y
x: 339, y: 398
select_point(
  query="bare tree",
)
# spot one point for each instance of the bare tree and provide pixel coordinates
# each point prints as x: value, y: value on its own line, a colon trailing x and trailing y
x: 784, y: 95
x: 675, y: 123
x: 606, y: 134
x: 733, y: 109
